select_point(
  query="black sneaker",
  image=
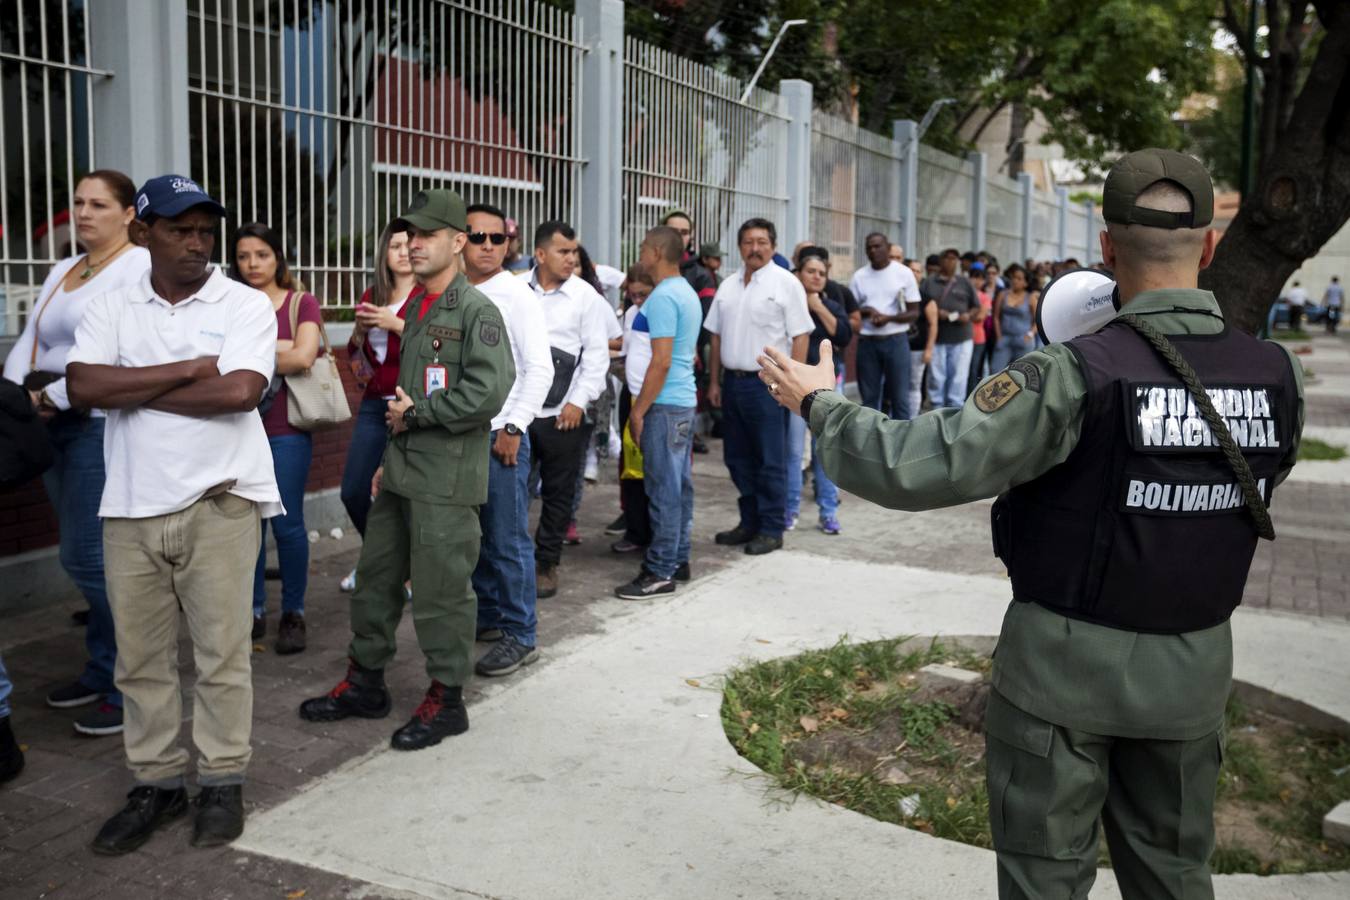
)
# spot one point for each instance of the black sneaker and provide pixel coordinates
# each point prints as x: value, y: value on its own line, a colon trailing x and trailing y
x: 103, y: 721
x: 11, y: 754
x: 618, y: 526
x: 644, y: 586
x: 362, y: 693
x: 291, y: 633
x: 682, y: 573
x: 623, y: 545
x: 734, y: 537
x: 220, y: 815
x: 763, y: 543
x: 440, y: 715
x: 488, y: 635
x: 508, y: 655
x: 259, y: 627
x: 72, y: 695
x: 699, y: 445
x: 147, y: 809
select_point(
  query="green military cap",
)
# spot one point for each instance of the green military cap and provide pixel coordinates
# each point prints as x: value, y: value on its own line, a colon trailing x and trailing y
x: 436, y: 209
x: 1135, y: 172
x: 709, y: 250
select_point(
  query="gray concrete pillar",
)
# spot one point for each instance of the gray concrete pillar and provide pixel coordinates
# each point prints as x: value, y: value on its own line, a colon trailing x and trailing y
x: 1062, y: 238
x: 905, y: 133
x: 978, y: 199
x: 797, y: 97
x: 1091, y: 238
x: 600, y: 216
x: 1028, y: 195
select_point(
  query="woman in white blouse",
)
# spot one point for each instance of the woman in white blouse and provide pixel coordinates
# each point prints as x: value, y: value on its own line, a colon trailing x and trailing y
x: 104, y: 208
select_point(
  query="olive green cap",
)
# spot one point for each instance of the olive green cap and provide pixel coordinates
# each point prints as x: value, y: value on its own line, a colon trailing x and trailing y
x: 436, y: 209
x: 1135, y: 172
x: 709, y: 251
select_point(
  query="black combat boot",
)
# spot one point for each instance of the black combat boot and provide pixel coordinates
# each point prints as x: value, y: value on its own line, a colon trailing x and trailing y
x: 440, y: 715
x: 147, y: 808
x: 220, y: 815
x: 362, y: 693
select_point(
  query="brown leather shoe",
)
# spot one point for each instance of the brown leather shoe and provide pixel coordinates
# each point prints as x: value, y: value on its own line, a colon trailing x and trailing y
x: 546, y: 581
x: 291, y: 633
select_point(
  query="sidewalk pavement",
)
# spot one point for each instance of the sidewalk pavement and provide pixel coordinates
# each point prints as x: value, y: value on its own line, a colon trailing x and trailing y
x: 600, y: 771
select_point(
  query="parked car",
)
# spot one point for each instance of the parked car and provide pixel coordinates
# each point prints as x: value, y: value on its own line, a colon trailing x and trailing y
x: 1312, y: 313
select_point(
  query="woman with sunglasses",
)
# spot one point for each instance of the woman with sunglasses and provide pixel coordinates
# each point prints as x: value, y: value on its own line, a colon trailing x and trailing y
x: 373, y: 353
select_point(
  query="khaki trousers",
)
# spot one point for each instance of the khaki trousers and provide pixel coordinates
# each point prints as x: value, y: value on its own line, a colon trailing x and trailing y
x: 203, y: 558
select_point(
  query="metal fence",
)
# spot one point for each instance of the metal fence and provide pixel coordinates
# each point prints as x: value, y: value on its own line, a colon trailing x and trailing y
x: 690, y: 144
x: 323, y: 117
x: 853, y: 189
x: 46, y: 138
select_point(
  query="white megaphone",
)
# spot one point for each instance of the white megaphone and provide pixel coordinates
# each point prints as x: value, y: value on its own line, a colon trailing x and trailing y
x: 1075, y: 303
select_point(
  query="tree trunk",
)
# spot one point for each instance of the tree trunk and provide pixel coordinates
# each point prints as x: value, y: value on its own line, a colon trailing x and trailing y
x: 1017, y: 138
x: 1302, y: 194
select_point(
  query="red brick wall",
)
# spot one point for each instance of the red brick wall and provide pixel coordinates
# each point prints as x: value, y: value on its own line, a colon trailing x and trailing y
x: 27, y: 521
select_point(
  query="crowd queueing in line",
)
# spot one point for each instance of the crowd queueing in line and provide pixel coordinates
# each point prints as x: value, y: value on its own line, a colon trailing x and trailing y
x: 180, y: 410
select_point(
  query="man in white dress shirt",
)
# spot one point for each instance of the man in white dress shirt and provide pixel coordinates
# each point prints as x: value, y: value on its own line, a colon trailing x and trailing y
x: 579, y: 348
x: 504, y: 577
x: 762, y: 305
x: 180, y: 361
x: 889, y: 299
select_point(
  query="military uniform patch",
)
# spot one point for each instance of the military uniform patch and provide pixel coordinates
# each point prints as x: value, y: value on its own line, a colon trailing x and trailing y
x: 994, y: 394
x: 490, y: 333
x: 1030, y: 373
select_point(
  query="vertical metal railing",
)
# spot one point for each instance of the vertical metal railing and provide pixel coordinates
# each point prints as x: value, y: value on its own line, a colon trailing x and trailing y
x: 46, y: 142
x: 690, y: 144
x: 323, y: 117
x: 853, y: 180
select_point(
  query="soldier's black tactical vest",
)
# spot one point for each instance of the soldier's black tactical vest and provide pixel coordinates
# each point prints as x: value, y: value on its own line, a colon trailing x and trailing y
x: 1144, y: 526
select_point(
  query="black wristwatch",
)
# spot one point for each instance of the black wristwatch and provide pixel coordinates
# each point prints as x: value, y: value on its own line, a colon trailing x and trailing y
x: 511, y: 429
x: 410, y: 418
x: 808, y: 400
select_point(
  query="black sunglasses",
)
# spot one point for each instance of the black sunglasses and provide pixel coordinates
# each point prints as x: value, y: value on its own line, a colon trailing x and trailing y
x: 478, y: 237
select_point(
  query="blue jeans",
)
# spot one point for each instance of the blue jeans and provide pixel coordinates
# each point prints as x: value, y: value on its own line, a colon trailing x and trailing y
x: 827, y: 494
x: 504, y: 576
x: 883, y: 372
x: 290, y: 460
x: 754, y: 446
x: 668, y: 476
x: 948, y: 372
x: 1009, y: 348
x: 75, y: 487
x: 5, y: 688
x: 364, y: 454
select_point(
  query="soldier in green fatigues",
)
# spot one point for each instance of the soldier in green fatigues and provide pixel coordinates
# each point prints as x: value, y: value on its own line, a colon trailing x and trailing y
x: 1127, y: 535
x: 455, y: 371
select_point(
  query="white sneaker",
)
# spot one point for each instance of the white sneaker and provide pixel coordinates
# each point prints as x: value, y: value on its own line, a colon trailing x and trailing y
x: 348, y: 584
x: 592, y: 473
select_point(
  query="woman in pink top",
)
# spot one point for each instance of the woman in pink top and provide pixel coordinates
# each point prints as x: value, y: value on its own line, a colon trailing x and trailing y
x: 260, y: 262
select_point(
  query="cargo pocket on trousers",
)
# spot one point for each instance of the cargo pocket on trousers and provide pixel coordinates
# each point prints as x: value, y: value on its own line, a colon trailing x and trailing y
x: 1019, y: 777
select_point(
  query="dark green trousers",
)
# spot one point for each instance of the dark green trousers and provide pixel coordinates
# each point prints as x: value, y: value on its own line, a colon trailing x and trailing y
x: 1049, y: 785
x: 437, y: 546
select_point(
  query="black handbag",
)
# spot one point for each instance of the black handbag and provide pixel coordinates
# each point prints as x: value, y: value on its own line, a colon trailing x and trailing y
x: 25, y: 448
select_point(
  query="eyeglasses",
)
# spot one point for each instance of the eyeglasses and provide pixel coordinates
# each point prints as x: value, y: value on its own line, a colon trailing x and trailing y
x: 478, y: 237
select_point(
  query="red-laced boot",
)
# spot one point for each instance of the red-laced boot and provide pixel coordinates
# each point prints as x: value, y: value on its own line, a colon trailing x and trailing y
x: 362, y: 693
x: 440, y: 715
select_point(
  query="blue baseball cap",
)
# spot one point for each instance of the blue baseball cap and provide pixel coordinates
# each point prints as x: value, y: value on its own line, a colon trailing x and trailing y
x: 169, y: 196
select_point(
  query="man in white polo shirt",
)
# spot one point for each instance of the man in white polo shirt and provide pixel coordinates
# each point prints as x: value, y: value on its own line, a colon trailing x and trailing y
x: 579, y: 346
x: 504, y: 576
x: 762, y: 305
x: 180, y: 361
x: 889, y: 298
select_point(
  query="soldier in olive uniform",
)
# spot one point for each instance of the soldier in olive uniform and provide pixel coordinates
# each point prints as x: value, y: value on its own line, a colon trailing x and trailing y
x: 455, y: 371
x: 1127, y: 534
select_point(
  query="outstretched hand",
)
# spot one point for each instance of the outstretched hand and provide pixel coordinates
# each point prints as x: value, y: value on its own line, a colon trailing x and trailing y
x: 790, y: 381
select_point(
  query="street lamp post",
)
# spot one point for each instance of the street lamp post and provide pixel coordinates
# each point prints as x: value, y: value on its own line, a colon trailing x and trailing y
x: 768, y: 56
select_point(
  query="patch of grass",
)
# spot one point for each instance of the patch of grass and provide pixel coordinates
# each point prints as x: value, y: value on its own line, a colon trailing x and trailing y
x: 1290, y: 335
x: 1312, y: 448
x: 1276, y: 782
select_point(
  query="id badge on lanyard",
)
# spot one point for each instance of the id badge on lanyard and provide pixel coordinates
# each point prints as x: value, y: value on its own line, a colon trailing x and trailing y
x: 435, y: 376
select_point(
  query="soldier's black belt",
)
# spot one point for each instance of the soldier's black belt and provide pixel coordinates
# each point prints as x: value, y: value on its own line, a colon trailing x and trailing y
x: 738, y: 373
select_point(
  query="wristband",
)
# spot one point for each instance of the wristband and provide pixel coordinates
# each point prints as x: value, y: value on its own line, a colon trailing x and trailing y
x: 808, y: 400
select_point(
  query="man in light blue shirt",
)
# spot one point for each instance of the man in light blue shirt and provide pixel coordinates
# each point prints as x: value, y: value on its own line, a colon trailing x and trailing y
x: 662, y: 418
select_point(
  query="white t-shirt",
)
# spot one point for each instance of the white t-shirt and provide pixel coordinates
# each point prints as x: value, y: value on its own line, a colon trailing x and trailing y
x: 378, y: 338
x: 611, y: 279
x: 1297, y: 296
x: 576, y: 315
x: 57, y: 314
x: 637, y: 350
x: 528, y: 332
x: 768, y: 312
x: 158, y: 462
x: 881, y: 290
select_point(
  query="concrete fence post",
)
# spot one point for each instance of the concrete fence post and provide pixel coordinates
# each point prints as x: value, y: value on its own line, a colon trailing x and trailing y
x: 1027, y: 219
x: 979, y: 199
x: 798, y: 98
x: 1062, y: 237
x: 905, y: 133
x: 600, y: 207
x: 1090, y: 236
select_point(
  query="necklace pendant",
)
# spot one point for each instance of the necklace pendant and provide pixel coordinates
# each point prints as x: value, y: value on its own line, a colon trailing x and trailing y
x: 87, y: 273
